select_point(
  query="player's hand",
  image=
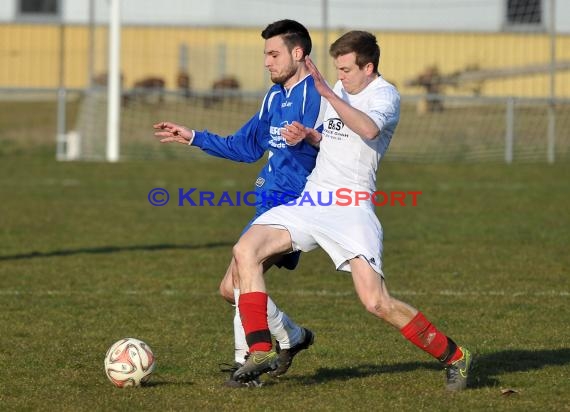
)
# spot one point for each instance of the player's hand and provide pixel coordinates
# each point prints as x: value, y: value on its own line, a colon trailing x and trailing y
x: 171, y: 132
x: 295, y: 132
x: 320, y: 83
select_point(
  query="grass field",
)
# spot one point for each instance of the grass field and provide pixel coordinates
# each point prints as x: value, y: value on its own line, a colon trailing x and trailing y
x: 86, y: 260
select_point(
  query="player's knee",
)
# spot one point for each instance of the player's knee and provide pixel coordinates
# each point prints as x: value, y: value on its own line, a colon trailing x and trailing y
x: 242, y: 254
x: 226, y: 291
x: 378, y: 307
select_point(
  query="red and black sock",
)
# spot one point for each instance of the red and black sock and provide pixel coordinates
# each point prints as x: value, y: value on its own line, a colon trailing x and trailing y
x: 253, y: 312
x: 422, y: 333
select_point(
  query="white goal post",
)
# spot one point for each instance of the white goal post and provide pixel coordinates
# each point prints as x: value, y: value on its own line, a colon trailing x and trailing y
x: 114, y: 82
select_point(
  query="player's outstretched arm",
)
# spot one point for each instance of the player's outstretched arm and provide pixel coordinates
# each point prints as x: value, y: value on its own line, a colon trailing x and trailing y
x: 173, y: 133
x: 243, y: 146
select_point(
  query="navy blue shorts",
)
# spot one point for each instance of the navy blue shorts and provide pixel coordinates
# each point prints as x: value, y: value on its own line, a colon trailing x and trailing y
x: 289, y: 261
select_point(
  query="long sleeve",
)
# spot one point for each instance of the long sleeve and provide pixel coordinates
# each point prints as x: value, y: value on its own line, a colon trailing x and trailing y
x: 247, y: 145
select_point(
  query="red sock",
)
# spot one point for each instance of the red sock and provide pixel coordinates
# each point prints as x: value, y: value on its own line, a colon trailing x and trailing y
x: 425, y: 336
x: 253, y: 313
x: 458, y: 354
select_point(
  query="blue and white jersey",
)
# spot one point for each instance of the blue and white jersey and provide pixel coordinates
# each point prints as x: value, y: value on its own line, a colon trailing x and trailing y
x: 284, y: 175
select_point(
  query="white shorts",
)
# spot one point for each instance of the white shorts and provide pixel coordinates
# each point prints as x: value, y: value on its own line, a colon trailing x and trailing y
x: 344, y: 232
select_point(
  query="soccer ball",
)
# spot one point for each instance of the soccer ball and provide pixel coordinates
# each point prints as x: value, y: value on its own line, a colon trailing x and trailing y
x: 129, y: 362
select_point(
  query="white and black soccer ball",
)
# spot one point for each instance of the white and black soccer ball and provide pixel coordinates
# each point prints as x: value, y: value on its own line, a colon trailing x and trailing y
x: 129, y: 362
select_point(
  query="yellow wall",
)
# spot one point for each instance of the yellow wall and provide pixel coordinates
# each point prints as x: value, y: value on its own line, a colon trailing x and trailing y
x: 29, y: 56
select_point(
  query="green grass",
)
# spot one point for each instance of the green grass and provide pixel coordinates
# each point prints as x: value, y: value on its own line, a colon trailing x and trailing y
x: 86, y: 260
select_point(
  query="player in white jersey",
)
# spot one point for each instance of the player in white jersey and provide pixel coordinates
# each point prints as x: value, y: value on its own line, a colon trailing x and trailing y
x: 362, y: 114
x: 346, y: 158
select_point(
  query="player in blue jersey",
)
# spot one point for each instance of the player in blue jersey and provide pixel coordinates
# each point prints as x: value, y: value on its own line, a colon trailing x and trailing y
x: 292, y: 98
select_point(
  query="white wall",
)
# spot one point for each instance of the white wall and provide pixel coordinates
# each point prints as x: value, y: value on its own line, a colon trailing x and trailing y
x: 7, y: 10
x: 404, y: 15
x: 563, y: 16
x: 483, y: 15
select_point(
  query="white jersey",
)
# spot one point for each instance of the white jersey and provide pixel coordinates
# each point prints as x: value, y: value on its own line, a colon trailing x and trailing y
x: 346, y: 160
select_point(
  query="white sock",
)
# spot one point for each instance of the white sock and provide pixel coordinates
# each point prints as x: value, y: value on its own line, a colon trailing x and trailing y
x: 282, y: 328
x: 285, y: 331
x: 240, y: 343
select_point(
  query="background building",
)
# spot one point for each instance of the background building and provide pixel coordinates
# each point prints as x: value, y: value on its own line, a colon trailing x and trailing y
x: 47, y: 42
x: 399, y: 15
x: 495, y: 66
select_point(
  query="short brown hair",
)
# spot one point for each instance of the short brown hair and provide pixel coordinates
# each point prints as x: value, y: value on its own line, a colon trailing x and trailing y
x: 362, y: 43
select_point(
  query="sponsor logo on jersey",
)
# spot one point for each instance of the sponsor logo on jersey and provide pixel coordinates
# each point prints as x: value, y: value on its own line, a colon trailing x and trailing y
x: 334, y: 124
x: 286, y: 104
x: 333, y: 129
x: 260, y: 181
x: 277, y: 140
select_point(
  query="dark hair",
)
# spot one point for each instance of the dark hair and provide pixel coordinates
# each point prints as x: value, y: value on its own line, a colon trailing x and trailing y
x: 294, y: 34
x: 362, y: 43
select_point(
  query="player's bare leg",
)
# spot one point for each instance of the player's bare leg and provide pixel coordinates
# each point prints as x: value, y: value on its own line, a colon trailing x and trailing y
x: 413, y: 325
x: 374, y: 295
x: 255, y: 248
x: 290, y: 338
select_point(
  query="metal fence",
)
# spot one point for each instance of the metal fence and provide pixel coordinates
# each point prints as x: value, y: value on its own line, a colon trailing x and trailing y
x: 461, y: 129
x: 456, y: 129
